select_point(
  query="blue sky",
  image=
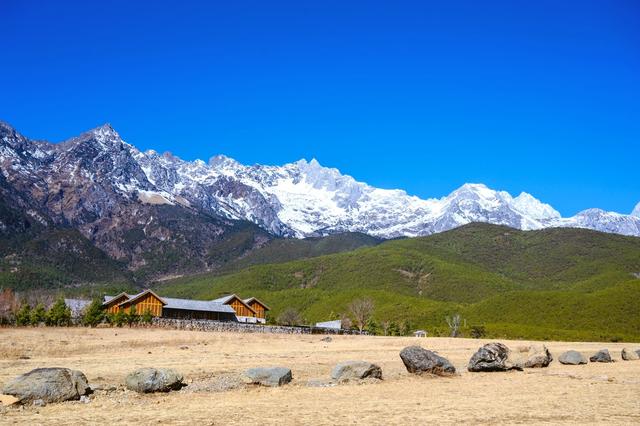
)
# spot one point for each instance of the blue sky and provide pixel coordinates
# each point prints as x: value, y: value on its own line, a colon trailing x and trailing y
x: 540, y: 96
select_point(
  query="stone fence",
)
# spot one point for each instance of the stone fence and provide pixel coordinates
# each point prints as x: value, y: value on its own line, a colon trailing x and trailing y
x: 239, y: 327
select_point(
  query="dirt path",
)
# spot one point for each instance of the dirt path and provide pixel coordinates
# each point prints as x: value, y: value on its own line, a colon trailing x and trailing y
x: 588, y: 394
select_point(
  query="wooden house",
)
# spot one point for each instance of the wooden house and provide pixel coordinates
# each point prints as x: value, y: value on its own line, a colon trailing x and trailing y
x: 259, y: 308
x: 244, y: 312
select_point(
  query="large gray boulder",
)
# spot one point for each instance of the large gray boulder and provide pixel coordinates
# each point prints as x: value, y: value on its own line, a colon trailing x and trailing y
x: 48, y: 385
x: 630, y: 354
x: 267, y: 376
x: 493, y: 357
x: 572, y: 358
x: 602, y: 355
x: 147, y: 380
x: 538, y: 356
x: 356, y: 370
x: 418, y: 360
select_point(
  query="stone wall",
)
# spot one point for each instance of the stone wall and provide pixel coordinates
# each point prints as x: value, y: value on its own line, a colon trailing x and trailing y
x: 237, y: 327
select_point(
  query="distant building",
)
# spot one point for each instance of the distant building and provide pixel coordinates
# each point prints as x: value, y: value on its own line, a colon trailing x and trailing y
x: 77, y: 307
x: 227, y: 308
x: 420, y: 333
x: 333, y: 325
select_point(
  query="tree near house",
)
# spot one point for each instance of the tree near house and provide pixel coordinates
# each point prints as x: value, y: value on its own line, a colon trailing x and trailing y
x: 94, y: 314
x: 38, y: 314
x: 289, y: 317
x: 59, y: 314
x: 23, y: 316
x: 361, y: 311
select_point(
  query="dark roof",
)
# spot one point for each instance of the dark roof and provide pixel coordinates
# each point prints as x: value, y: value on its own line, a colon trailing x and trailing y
x: 197, y: 305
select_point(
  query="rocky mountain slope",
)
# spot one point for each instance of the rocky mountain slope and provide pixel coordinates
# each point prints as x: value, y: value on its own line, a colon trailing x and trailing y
x: 157, y: 213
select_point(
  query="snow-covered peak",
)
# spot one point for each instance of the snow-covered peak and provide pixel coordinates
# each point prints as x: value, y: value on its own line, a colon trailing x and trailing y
x: 530, y: 206
x: 636, y: 211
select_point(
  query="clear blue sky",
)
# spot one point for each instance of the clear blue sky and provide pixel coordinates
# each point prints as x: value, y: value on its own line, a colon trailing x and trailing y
x: 541, y: 96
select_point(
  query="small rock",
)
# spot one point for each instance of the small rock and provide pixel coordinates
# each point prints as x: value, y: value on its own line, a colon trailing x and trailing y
x: 146, y: 380
x: 418, y: 360
x: 8, y: 399
x: 326, y: 339
x: 24, y: 357
x: 572, y: 358
x: 39, y: 403
x: 356, y: 370
x: 493, y: 357
x: 630, y: 355
x: 48, y: 384
x: 85, y: 399
x: 184, y: 347
x: 602, y: 355
x: 270, y: 376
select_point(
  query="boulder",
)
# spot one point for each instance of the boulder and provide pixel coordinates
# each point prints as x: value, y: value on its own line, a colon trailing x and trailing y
x: 8, y: 400
x: 493, y: 357
x: 356, y: 370
x: 49, y: 385
x: 267, y: 376
x: 146, y: 380
x: 572, y: 358
x: 630, y: 354
x: 418, y: 360
x: 602, y: 355
x: 538, y: 356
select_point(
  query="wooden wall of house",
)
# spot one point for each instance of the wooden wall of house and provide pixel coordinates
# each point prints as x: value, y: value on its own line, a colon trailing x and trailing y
x: 240, y: 308
x: 146, y: 303
x: 113, y: 307
x: 260, y: 312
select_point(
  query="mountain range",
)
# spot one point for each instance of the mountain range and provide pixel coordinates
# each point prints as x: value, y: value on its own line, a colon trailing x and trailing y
x: 157, y: 213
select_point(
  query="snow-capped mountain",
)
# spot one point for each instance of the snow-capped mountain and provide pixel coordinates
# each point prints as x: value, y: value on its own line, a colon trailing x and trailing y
x: 636, y: 211
x: 294, y: 200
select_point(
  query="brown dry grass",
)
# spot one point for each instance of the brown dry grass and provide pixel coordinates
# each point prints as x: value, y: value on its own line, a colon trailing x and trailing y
x: 593, y: 393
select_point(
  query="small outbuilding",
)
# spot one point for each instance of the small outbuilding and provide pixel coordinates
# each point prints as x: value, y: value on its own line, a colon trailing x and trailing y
x: 420, y: 333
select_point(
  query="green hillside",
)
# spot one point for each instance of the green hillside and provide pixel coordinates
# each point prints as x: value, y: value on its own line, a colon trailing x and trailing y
x: 555, y: 283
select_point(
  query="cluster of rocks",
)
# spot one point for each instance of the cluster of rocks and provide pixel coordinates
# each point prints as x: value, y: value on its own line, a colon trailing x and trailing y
x: 48, y: 385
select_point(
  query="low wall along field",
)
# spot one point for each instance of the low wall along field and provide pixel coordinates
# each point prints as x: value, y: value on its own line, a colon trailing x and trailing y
x: 592, y: 393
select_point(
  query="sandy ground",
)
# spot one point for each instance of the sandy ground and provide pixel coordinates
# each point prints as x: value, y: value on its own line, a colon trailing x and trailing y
x: 587, y: 394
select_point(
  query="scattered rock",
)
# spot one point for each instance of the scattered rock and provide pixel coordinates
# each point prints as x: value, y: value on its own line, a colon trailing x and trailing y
x: 24, y: 357
x: 493, y: 357
x: 269, y: 376
x: 418, y: 360
x: 184, y: 347
x: 85, y: 399
x: 146, y: 380
x: 326, y: 339
x: 356, y: 370
x: 572, y: 358
x: 49, y: 385
x: 319, y: 383
x: 602, y: 355
x: 630, y: 354
x: 8, y: 400
x: 538, y: 356
x: 39, y: 403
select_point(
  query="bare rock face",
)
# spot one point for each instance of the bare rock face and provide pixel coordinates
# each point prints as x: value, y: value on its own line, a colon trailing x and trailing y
x: 147, y: 380
x: 356, y: 370
x: 48, y: 385
x: 269, y: 376
x: 630, y: 354
x: 493, y: 357
x: 602, y: 355
x: 418, y: 360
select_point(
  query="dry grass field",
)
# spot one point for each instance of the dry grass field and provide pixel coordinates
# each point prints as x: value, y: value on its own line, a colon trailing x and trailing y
x: 587, y: 394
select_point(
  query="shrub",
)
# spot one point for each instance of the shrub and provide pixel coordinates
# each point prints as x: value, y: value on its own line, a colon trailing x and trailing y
x: 131, y: 317
x: 477, y: 331
x: 290, y: 317
x: 38, y: 315
x: 59, y: 314
x: 23, y: 316
x: 94, y: 314
x: 117, y: 319
x: 146, y: 317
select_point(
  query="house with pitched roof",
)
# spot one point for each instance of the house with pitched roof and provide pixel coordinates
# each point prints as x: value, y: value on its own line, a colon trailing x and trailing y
x: 227, y: 308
